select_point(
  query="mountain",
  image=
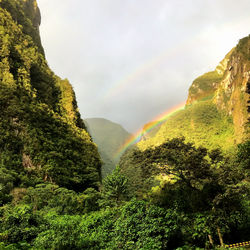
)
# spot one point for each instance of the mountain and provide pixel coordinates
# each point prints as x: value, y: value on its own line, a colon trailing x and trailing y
x: 42, y: 138
x: 109, y: 137
x: 216, y: 115
x: 50, y: 170
x: 217, y: 108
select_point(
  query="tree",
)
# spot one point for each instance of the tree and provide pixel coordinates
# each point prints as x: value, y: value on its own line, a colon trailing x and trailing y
x: 115, y: 187
x: 19, y: 224
x: 181, y: 162
x: 142, y: 225
x: 243, y: 152
x: 7, y: 179
x: 205, y: 185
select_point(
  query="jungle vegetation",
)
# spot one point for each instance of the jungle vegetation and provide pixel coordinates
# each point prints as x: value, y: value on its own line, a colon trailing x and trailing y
x: 172, y: 195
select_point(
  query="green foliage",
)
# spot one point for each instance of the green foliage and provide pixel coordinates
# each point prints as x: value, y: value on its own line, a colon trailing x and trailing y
x: 42, y: 136
x: 243, y: 47
x: 19, y: 224
x: 205, y: 83
x: 139, y: 226
x: 97, y: 230
x: 26, y: 14
x: 63, y: 233
x: 49, y: 196
x: 140, y: 180
x: 213, y: 190
x: 115, y: 187
x: 7, y: 181
x: 205, y: 192
x: 89, y: 200
x: 201, y: 124
x: 181, y: 162
x: 16, y: 246
x: 243, y: 153
x: 144, y: 226
x: 76, y: 232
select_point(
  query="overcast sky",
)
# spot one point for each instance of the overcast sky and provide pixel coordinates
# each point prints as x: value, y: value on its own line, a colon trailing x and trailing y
x: 131, y: 60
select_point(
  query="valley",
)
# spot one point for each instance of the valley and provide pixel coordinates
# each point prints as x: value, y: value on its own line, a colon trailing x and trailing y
x: 68, y: 182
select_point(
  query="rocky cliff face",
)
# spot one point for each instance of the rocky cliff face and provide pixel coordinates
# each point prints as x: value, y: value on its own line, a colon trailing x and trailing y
x: 205, y: 86
x: 232, y: 94
x: 42, y: 136
x: 228, y: 87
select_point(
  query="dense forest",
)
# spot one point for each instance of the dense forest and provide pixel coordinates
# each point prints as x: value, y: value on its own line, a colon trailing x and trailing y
x: 185, y: 187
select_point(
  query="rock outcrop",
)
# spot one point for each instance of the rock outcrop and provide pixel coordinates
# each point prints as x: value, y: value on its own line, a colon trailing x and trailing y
x: 205, y: 86
x: 228, y: 87
x: 232, y: 94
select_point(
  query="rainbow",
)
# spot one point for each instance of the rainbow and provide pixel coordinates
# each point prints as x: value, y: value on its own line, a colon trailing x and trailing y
x: 168, y: 53
x: 147, y: 128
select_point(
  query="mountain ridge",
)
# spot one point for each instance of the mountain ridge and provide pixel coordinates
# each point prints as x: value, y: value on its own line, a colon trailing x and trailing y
x: 43, y: 138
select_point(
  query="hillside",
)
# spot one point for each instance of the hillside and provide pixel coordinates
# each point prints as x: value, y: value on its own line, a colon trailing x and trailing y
x: 173, y: 195
x: 216, y: 112
x: 43, y: 138
x: 109, y: 137
x: 216, y: 116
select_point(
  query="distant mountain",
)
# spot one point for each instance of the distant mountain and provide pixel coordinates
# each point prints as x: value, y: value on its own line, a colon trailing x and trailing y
x: 109, y: 137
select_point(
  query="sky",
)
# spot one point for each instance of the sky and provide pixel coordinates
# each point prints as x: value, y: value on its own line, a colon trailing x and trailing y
x: 131, y: 60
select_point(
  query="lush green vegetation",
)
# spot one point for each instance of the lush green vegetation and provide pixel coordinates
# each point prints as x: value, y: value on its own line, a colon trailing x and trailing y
x: 205, y: 83
x: 243, y: 46
x: 27, y: 14
x: 200, y: 123
x: 166, y: 194
x: 42, y: 135
x: 209, y: 189
x: 203, y: 203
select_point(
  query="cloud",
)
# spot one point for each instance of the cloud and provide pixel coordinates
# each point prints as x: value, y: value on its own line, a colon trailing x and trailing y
x: 145, y: 53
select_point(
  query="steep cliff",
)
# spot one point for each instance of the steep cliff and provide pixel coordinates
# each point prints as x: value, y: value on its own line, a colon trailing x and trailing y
x: 232, y: 94
x: 205, y: 86
x: 42, y: 137
x: 27, y: 14
x: 228, y: 86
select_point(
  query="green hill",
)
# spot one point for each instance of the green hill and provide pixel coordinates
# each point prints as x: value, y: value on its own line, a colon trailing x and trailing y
x: 43, y: 138
x: 109, y: 137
